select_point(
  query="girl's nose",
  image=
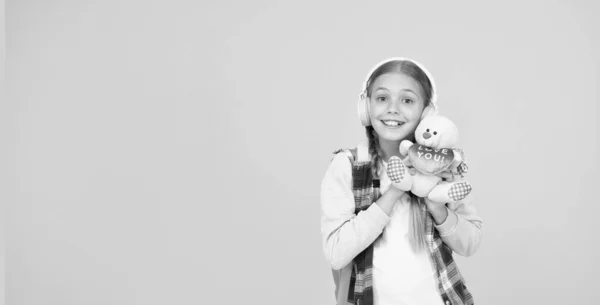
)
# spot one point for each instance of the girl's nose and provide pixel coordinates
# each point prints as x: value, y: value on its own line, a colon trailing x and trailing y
x: 426, y: 135
x: 393, y: 108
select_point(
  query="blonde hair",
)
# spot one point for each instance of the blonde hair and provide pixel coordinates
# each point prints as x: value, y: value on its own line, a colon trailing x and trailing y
x: 418, y: 212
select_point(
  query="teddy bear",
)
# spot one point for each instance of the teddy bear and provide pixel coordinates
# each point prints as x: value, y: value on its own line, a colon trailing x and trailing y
x: 432, y: 154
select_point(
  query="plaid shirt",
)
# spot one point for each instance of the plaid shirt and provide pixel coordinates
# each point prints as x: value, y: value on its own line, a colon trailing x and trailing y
x: 450, y: 283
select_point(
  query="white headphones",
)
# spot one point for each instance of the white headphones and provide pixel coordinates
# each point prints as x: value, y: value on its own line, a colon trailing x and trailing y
x: 363, y: 101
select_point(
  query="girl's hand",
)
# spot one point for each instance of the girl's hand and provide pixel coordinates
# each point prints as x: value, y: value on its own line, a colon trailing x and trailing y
x: 450, y: 176
x: 394, y: 192
x: 389, y: 198
x: 447, y: 176
x: 438, y: 210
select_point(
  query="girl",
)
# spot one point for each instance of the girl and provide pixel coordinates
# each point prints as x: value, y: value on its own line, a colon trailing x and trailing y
x: 385, y: 246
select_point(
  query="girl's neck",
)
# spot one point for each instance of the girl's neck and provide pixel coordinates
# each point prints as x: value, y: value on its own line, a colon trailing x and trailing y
x: 389, y: 149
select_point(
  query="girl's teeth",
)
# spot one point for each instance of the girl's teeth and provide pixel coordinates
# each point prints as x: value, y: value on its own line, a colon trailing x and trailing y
x: 391, y: 123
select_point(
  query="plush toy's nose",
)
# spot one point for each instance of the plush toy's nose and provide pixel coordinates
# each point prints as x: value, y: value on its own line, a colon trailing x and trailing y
x: 426, y: 135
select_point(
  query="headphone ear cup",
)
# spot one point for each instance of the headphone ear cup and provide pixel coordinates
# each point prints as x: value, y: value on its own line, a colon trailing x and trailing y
x: 429, y: 110
x: 363, y: 111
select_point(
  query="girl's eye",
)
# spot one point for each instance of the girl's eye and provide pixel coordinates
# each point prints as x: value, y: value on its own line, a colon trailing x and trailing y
x: 382, y: 98
x: 407, y: 100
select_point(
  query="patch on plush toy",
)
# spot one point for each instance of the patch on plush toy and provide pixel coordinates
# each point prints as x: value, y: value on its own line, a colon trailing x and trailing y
x: 430, y: 161
x: 396, y: 170
x: 459, y: 191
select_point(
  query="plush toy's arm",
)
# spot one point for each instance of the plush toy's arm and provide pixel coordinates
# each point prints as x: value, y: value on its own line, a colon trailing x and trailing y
x: 456, y: 162
x: 459, y: 164
x: 404, y: 146
x: 458, y: 156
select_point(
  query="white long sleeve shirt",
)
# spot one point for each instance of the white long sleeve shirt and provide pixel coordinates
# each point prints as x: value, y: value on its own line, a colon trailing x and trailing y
x: 401, y: 276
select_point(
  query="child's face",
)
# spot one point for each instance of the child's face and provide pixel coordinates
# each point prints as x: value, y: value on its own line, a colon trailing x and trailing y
x: 396, y: 104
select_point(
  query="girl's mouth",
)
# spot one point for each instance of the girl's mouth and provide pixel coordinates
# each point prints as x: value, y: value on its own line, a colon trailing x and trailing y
x: 392, y: 123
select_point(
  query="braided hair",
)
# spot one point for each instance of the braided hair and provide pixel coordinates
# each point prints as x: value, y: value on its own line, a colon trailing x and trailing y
x: 374, y: 150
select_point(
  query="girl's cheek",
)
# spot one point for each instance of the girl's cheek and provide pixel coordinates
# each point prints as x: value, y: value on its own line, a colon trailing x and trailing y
x: 410, y: 114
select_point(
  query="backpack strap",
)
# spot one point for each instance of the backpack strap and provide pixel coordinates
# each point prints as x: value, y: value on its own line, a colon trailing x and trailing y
x: 358, y: 154
x: 351, y: 153
x: 362, y: 150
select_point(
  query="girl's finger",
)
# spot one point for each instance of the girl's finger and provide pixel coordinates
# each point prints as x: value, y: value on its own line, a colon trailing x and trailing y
x: 447, y: 175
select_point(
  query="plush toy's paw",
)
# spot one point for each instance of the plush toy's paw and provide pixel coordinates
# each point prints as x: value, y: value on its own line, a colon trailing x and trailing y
x: 459, y: 190
x: 396, y: 170
x: 398, y: 174
x: 404, y: 146
x: 450, y: 192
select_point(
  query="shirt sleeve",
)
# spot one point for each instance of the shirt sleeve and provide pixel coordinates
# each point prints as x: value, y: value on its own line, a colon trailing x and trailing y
x: 345, y: 234
x: 462, y: 230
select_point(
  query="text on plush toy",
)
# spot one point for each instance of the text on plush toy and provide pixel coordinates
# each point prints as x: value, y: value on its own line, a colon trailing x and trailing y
x: 429, y: 160
x: 429, y: 153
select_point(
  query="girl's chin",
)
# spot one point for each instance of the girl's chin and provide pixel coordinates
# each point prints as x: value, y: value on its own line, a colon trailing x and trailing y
x: 393, y: 136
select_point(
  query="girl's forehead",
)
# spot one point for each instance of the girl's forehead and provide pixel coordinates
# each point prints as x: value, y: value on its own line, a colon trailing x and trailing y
x: 396, y: 81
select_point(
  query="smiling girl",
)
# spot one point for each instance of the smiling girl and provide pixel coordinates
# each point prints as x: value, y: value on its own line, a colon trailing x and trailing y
x: 386, y: 246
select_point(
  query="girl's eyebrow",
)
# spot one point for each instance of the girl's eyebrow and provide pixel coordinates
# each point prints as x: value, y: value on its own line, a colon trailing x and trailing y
x: 383, y: 88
